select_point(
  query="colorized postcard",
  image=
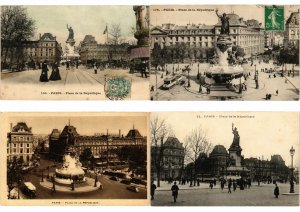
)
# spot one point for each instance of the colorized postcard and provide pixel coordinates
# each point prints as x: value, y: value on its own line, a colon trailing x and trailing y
x: 225, y: 159
x: 224, y: 52
x: 68, y: 52
x: 74, y: 159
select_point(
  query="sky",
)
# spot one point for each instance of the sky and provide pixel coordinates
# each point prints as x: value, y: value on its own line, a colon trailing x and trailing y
x: 85, y: 20
x: 85, y: 125
x: 160, y: 15
x: 262, y: 134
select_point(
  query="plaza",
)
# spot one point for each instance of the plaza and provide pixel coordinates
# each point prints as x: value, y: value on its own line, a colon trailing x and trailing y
x: 204, y: 196
x: 287, y: 86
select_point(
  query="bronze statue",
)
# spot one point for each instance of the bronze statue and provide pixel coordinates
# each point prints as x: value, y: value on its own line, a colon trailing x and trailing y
x: 236, y: 136
x: 71, y: 33
x: 225, y: 23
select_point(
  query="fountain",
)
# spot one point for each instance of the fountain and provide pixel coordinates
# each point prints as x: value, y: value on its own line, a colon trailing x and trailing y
x: 223, y: 76
x: 71, y: 171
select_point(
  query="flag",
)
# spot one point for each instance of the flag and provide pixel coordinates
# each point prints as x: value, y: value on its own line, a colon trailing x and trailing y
x: 105, y: 31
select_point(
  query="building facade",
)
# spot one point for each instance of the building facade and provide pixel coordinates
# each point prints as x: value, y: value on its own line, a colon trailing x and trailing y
x: 45, y: 48
x: 101, y: 145
x: 90, y: 50
x: 172, y: 159
x: 218, y: 159
x: 20, y: 142
x: 247, y: 34
x: 291, y: 37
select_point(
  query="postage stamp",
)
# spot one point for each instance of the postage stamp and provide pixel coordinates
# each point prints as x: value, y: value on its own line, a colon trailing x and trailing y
x: 274, y: 17
x: 117, y: 88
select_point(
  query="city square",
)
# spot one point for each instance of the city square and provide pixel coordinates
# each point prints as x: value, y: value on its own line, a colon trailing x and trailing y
x: 71, y: 60
x: 191, y: 164
x: 211, y: 60
x: 66, y: 164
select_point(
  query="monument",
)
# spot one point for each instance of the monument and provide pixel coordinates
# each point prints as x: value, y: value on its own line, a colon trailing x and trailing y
x: 236, y: 168
x: 224, y: 76
x: 141, y: 52
x: 70, y: 53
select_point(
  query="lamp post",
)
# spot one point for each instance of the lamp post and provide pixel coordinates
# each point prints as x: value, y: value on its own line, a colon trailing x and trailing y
x: 292, y: 152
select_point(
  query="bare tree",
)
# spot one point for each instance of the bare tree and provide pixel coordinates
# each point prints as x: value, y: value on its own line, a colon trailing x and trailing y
x: 116, y: 33
x: 16, y: 27
x: 159, y: 132
x: 197, y: 143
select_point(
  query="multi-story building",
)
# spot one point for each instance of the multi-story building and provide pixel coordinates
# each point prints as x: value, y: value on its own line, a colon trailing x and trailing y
x: 20, y: 142
x: 172, y: 161
x: 291, y: 37
x: 248, y: 35
x: 45, y: 48
x: 218, y: 159
x: 90, y: 50
x: 101, y: 145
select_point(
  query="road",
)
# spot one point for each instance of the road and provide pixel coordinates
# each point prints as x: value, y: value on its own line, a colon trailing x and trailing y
x: 111, y: 189
x: 286, y: 89
x: 81, y: 83
x: 255, y: 196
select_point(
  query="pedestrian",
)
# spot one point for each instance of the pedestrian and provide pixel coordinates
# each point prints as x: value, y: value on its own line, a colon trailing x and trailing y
x: 153, y: 187
x: 274, y: 76
x: 211, y: 185
x: 277, y: 92
x: 95, y: 68
x: 55, y: 73
x: 234, y: 185
x: 222, y: 184
x: 276, y: 191
x: 76, y: 64
x: 44, y: 73
x: 198, y: 182
x: 174, y: 190
x: 267, y: 96
x: 229, y: 185
x: 269, y: 76
x: 215, y: 182
x: 270, y: 96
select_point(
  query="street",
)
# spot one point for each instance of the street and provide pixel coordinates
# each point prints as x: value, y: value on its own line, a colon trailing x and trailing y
x: 81, y: 83
x: 286, y: 86
x: 204, y: 196
x: 111, y: 189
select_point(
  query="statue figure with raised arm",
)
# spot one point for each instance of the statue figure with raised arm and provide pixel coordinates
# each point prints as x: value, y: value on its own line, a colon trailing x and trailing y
x: 71, y: 33
x: 236, y: 136
x: 225, y: 23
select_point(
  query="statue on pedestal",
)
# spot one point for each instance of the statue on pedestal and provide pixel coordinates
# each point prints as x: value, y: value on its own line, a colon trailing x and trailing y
x: 236, y: 136
x: 71, y: 33
x: 225, y: 23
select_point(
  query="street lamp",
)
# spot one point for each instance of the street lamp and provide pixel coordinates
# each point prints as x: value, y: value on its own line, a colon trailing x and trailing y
x: 292, y: 152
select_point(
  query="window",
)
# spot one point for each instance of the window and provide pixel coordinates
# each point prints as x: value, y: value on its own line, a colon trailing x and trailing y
x: 27, y: 145
x: 21, y: 145
x: 21, y: 151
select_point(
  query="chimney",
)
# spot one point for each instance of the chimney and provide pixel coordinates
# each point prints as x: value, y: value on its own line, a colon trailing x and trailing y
x: 11, y: 126
x: 119, y: 133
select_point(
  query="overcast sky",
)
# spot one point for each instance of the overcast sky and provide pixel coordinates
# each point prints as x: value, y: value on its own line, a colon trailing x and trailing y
x: 160, y: 14
x: 85, y: 125
x: 264, y: 135
x: 85, y: 20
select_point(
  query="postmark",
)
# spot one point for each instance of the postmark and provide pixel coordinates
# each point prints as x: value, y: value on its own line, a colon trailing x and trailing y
x: 117, y: 88
x: 274, y: 18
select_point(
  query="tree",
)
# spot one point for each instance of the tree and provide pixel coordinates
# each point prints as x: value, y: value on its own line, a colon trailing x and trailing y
x: 197, y: 143
x: 16, y: 27
x: 86, y: 156
x: 159, y: 132
x: 14, y: 172
x: 115, y: 32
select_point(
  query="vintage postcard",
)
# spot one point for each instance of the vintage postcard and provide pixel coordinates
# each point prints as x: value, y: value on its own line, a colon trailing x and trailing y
x: 74, y: 159
x: 224, y: 52
x: 225, y: 159
x: 74, y: 52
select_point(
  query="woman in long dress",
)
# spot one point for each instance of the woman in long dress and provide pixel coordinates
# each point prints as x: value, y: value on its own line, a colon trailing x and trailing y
x: 55, y: 73
x: 44, y: 73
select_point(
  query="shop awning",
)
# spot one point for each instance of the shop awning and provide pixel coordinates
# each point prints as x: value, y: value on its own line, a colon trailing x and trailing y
x: 142, y: 52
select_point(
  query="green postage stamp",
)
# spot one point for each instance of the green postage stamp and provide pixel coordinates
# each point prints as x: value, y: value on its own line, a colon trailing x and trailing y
x: 117, y: 88
x: 274, y: 17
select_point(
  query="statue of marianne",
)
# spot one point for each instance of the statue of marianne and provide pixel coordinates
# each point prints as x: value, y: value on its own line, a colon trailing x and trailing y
x: 236, y: 136
x: 225, y: 23
x: 71, y: 33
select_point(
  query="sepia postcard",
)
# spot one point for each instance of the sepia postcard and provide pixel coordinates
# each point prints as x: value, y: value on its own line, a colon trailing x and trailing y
x: 74, y: 159
x: 224, y: 52
x: 224, y: 158
x: 74, y: 53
